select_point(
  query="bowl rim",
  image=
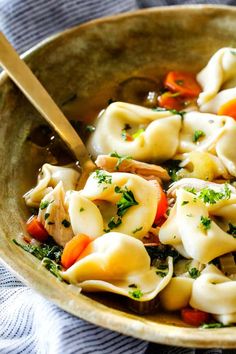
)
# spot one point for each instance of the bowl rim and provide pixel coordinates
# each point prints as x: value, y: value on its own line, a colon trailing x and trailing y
x: 104, y: 316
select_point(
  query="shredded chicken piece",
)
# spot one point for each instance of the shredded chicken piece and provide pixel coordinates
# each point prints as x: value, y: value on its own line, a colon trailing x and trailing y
x: 145, y: 170
x: 55, y: 217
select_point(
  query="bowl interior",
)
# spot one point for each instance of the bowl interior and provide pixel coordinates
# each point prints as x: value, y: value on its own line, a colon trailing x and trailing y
x: 81, y: 69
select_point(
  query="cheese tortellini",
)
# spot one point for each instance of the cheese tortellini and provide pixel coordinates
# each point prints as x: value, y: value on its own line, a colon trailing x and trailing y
x: 193, y: 228
x: 218, y: 80
x: 48, y: 178
x: 118, y: 263
x: 154, y: 134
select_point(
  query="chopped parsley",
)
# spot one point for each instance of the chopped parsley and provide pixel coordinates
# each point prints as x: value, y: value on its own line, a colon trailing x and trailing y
x: 46, y: 216
x: 197, y: 135
x: 90, y: 128
x: 51, y: 250
x: 174, y: 111
x: 232, y: 230
x: 137, y: 229
x: 53, y: 267
x: 120, y: 159
x: 162, y: 274
x: 136, y: 294
x: 194, y: 273
x: 102, y: 177
x: 44, y: 204
x: 161, y: 253
x: 133, y: 286
x: 114, y: 222
x: 65, y: 223
x: 126, y: 201
x: 191, y: 190
x: 211, y: 197
x: 81, y: 209
x: 172, y: 167
x: 138, y: 133
x: 184, y: 202
x: 205, y: 223
x: 212, y: 325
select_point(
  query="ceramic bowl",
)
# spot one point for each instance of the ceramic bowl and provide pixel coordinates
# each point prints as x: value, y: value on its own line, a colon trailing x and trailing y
x: 86, y: 63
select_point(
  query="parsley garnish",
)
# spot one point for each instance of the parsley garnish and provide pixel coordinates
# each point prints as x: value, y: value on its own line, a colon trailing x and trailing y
x: 136, y: 294
x: 184, y: 202
x: 232, y: 230
x: 65, y: 223
x: 172, y: 167
x: 132, y: 286
x: 53, y: 267
x: 174, y: 111
x: 212, y: 325
x: 102, y: 177
x: 44, y: 204
x: 210, y: 196
x: 51, y: 251
x: 81, y: 209
x: 138, y: 133
x: 162, y: 274
x: 191, y: 190
x: 46, y: 216
x: 205, y: 223
x: 197, y: 135
x: 126, y: 201
x: 90, y: 128
x: 194, y: 273
x: 114, y: 222
x: 137, y: 229
x: 120, y: 159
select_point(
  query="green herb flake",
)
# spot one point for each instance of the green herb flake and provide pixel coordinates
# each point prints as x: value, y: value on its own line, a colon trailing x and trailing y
x: 51, y: 223
x: 189, y: 215
x: 162, y: 274
x: 194, y: 273
x: 114, y: 222
x: 212, y: 325
x: 44, y: 204
x: 137, y: 229
x: 212, y: 197
x: 126, y: 201
x: 102, y: 177
x: 120, y: 159
x: 81, y: 210
x: 205, y: 223
x: 65, y: 223
x: 46, y: 216
x: 197, y: 135
x: 53, y: 267
x: 191, y: 190
x: 184, y: 202
x: 90, y: 128
x: 136, y: 294
x: 232, y: 230
x: 173, y: 111
x: 51, y: 251
x: 133, y: 286
x: 138, y: 133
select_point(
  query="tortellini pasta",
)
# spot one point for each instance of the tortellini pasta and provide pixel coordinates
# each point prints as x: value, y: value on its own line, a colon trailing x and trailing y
x: 48, y: 178
x: 192, y: 227
x: 219, y: 73
x: 127, y: 202
x: 154, y: 134
x: 118, y: 263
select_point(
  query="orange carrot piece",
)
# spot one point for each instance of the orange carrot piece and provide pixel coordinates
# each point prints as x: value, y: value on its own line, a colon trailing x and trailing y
x: 73, y: 249
x: 182, y: 82
x: 194, y: 317
x: 170, y: 100
x: 162, y: 206
x: 228, y: 109
x: 36, y: 229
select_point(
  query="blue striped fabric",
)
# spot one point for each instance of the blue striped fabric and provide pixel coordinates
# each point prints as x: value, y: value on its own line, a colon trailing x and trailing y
x: 28, y: 323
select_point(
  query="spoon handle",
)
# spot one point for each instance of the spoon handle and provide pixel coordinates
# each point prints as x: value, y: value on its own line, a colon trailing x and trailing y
x: 23, y: 77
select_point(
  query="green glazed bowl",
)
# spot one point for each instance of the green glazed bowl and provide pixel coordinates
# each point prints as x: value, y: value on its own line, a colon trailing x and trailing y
x: 81, y: 68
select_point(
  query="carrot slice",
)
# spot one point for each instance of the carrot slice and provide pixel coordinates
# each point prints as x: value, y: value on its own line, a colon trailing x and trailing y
x: 182, y: 82
x: 170, y: 100
x: 73, y: 249
x: 36, y: 229
x: 228, y: 109
x: 161, y: 207
x: 194, y: 317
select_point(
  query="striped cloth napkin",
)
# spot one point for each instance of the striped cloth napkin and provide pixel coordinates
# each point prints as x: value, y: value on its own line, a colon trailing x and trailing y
x: 29, y: 323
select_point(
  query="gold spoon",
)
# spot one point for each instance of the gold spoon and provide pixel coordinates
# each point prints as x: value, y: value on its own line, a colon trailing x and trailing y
x: 23, y: 77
